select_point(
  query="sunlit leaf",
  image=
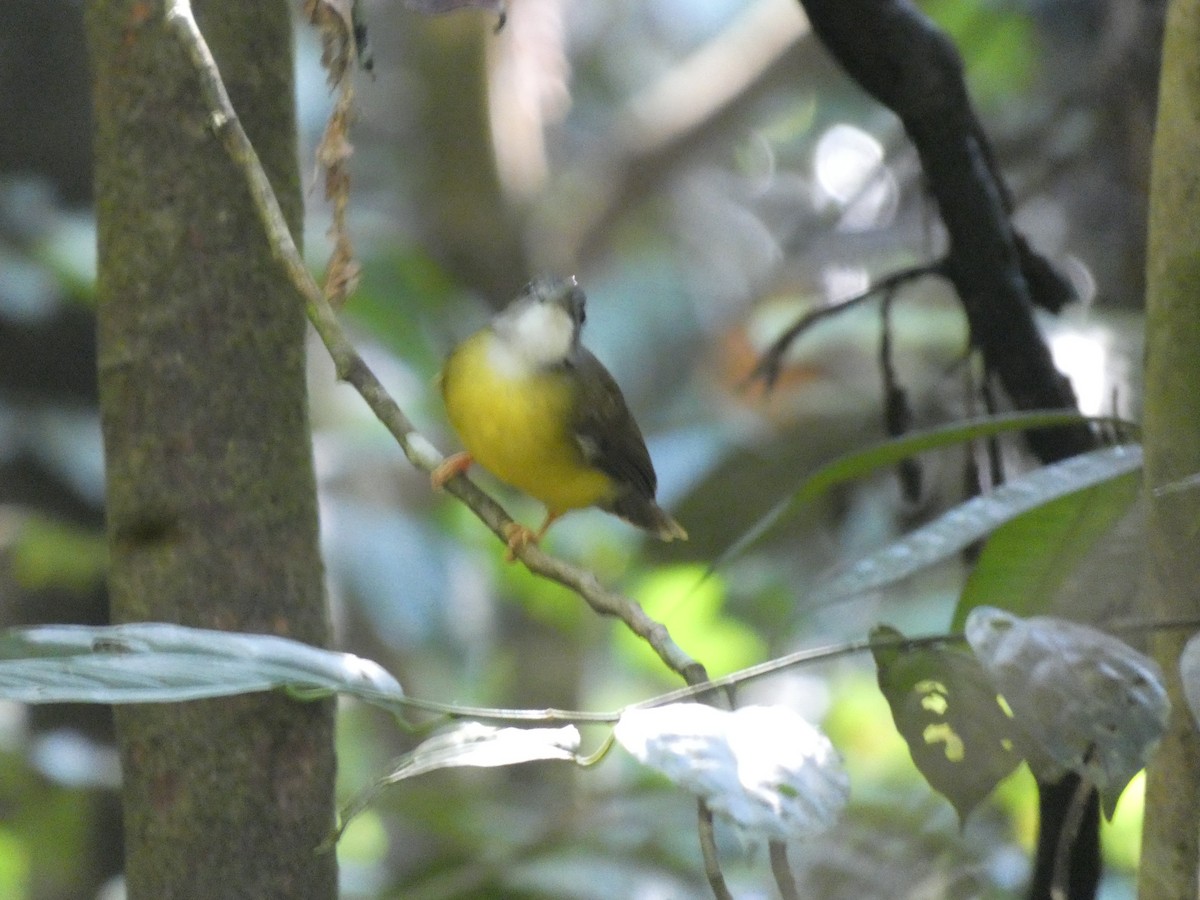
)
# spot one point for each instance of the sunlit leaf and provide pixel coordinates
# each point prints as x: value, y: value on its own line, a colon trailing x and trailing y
x: 160, y: 663
x: 763, y: 767
x: 486, y: 746
x: 946, y: 710
x: 1082, y: 700
x: 966, y: 523
x: 471, y: 744
x: 1028, y: 559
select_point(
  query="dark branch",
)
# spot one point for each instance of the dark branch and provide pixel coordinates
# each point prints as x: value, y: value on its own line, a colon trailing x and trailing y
x: 900, y: 57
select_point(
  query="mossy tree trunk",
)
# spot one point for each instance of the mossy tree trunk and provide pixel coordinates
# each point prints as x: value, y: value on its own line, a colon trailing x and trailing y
x: 1171, y: 838
x: 211, y: 497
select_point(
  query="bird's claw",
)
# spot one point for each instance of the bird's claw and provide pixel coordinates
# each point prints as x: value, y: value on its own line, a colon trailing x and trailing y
x: 449, y: 467
x: 518, y: 537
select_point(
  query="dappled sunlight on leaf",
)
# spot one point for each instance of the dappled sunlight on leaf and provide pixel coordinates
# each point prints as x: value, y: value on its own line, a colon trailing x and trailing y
x: 471, y: 744
x: 479, y: 745
x: 946, y: 710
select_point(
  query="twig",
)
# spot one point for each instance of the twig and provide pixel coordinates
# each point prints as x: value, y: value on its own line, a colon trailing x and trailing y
x: 897, y: 412
x: 771, y: 362
x: 351, y: 368
x: 742, y: 676
x: 341, y: 32
x: 1060, y: 882
x: 708, y: 849
x: 782, y: 871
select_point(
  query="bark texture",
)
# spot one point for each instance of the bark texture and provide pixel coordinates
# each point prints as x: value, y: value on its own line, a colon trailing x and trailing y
x: 1171, y: 836
x: 211, y: 500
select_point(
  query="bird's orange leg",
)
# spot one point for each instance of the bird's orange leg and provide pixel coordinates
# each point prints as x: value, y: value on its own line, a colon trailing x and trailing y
x: 551, y: 518
x: 450, y: 466
x: 518, y: 536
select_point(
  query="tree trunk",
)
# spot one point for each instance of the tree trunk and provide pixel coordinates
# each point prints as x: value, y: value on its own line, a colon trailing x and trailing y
x: 1171, y: 838
x: 211, y: 497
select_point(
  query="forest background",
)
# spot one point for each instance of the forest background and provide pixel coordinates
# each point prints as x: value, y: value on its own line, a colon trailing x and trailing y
x: 709, y: 174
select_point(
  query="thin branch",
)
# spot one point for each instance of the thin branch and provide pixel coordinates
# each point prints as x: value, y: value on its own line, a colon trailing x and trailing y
x: 898, y: 56
x: 800, y: 657
x: 782, y: 871
x: 691, y: 692
x: 771, y: 363
x: 897, y: 412
x: 708, y: 849
x: 1060, y: 883
x: 351, y: 368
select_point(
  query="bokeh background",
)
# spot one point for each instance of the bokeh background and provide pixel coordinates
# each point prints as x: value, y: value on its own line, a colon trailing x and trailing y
x: 709, y: 175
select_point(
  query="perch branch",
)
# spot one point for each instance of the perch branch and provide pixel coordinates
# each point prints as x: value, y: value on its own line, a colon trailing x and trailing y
x: 351, y: 368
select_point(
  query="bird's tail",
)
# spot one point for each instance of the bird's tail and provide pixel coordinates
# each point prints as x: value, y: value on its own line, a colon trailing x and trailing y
x: 666, y: 528
x: 647, y: 514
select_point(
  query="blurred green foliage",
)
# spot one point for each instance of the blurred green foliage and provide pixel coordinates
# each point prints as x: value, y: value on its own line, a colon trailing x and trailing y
x: 999, y: 42
x: 53, y: 554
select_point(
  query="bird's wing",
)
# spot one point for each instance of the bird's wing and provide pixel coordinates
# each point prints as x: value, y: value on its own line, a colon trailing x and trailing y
x: 605, y: 430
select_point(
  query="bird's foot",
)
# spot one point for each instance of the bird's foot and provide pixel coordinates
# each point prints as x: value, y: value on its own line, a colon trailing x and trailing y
x: 518, y: 537
x: 450, y: 467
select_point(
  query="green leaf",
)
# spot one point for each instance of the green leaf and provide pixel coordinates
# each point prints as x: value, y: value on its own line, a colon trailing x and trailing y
x: 1028, y: 559
x: 158, y: 663
x: 947, y: 711
x: 889, y: 453
x: 966, y: 523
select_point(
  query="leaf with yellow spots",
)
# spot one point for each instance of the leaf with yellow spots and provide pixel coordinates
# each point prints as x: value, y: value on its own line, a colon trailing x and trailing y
x: 956, y: 728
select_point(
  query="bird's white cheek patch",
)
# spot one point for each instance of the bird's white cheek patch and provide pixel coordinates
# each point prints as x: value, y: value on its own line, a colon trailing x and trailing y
x: 543, y: 334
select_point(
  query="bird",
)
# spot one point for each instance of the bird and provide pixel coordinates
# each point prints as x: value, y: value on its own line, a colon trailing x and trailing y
x: 538, y: 410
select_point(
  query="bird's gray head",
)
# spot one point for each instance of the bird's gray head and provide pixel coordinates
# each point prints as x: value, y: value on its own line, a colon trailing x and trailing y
x: 542, y: 326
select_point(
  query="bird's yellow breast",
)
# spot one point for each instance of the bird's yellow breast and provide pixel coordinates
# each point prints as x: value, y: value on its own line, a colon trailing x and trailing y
x: 517, y: 425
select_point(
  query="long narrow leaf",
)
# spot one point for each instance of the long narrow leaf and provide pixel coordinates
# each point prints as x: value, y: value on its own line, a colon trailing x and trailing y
x: 160, y: 663
x: 950, y: 533
x: 888, y: 453
x: 1026, y: 561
